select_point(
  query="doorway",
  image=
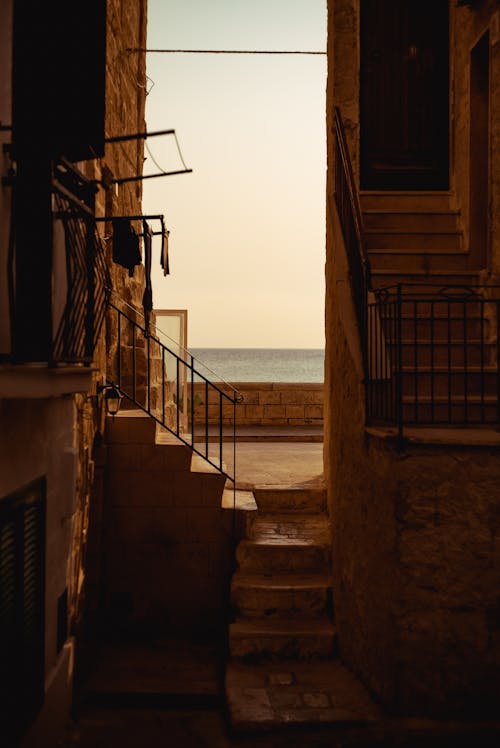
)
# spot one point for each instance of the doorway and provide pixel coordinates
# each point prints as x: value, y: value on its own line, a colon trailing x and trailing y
x: 404, y: 98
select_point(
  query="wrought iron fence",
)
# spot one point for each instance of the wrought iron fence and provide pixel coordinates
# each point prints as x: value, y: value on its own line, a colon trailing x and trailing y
x: 166, y: 385
x: 84, y: 277
x: 433, y: 356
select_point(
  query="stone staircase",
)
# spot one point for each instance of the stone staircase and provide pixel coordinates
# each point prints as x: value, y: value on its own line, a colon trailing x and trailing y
x: 284, y: 670
x: 416, y: 237
x: 166, y: 536
x: 281, y: 591
x: 448, y: 340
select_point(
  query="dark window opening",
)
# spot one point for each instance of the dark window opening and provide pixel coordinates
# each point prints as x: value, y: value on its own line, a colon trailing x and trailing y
x: 22, y: 577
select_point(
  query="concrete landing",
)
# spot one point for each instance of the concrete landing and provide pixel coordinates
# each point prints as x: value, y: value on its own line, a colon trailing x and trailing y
x: 278, y: 463
x: 267, y: 697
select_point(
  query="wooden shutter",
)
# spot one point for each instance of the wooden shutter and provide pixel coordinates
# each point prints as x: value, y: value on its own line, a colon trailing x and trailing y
x: 22, y: 575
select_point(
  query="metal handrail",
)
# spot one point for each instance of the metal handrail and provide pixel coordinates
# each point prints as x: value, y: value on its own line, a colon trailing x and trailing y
x: 185, y: 351
x: 138, y: 368
x: 350, y: 216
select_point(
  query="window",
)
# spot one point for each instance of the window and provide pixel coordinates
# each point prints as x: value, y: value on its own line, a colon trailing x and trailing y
x: 22, y: 575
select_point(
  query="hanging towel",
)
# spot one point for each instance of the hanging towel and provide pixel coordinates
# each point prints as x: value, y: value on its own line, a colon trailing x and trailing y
x: 126, y: 248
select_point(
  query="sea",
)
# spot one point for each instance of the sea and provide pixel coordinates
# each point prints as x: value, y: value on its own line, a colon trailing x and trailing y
x: 262, y: 364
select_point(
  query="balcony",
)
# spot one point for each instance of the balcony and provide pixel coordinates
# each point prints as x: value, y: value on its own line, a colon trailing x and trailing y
x: 56, y: 279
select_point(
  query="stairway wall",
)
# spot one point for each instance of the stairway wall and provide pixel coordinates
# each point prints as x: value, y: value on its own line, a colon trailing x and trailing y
x: 168, y: 542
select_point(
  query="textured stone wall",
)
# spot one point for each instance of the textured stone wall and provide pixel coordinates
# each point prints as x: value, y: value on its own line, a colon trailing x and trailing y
x: 415, y: 531
x: 125, y: 114
x: 467, y: 27
x: 268, y: 404
x: 447, y: 611
x: 168, y: 543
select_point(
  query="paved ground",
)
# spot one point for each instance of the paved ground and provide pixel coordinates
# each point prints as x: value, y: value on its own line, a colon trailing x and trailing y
x: 285, y: 463
x: 168, y: 694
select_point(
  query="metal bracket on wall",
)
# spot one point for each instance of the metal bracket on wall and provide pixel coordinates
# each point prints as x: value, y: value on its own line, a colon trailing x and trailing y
x: 139, y: 177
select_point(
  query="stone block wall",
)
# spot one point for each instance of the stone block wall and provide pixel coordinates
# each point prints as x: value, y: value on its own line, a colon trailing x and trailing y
x: 415, y: 526
x: 168, y: 543
x: 267, y: 404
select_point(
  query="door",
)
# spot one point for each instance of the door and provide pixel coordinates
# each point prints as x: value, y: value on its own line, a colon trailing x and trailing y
x: 404, y: 98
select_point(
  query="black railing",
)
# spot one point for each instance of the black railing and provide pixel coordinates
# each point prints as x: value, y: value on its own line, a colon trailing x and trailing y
x: 349, y: 212
x: 433, y: 356
x: 82, y: 283
x: 168, y: 383
x: 76, y: 270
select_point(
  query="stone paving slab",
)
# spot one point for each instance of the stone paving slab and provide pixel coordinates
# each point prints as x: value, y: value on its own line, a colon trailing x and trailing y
x: 263, y: 697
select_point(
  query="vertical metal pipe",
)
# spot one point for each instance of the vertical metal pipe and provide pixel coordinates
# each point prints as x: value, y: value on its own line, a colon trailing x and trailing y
x: 466, y: 364
x: 148, y: 354
x: 220, y: 429
x: 163, y: 384
x: 133, y: 361
x: 177, y: 401
x: 192, y: 401
x: 449, y: 358
x: 481, y: 360
x: 497, y: 309
x: 119, y: 350
x: 206, y: 417
x: 415, y: 361
x: 399, y: 396
x: 432, y: 367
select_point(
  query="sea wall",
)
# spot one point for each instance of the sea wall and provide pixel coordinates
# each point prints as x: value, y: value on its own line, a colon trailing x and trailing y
x: 266, y: 404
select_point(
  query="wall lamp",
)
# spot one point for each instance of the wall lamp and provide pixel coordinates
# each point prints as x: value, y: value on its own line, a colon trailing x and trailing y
x: 112, y: 398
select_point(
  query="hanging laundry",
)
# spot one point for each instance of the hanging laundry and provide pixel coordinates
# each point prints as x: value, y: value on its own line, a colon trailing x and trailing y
x: 164, y: 262
x: 147, y: 299
x: 126, y: 248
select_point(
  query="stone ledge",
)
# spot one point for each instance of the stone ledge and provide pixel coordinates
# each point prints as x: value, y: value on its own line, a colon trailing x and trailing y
x: 439, y: 436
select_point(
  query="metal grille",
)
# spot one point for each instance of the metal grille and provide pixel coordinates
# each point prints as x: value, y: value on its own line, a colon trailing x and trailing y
x: 87, y: 278
x: 433, y: 356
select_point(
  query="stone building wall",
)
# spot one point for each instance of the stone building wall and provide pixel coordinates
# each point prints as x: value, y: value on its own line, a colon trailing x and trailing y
x: 125, y: 114
x: 415, y: 528
x: 467, y: 28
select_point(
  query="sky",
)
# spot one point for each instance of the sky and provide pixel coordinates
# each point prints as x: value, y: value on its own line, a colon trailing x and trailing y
x: 247, y: 227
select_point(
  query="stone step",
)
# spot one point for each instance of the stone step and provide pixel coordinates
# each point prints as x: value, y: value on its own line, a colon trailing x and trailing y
x: 410, y: 221
x: 415, y: 201
x: 294, y: 499
x: 148, y: 457
x: 378, y: 240
x: 432, y: 282
x: 270, y: 640
x: 444, y: 353
x: 456, y: 410
x: 281, y: 596
x: 441, y: 329
x: 276, y: 696
x: 130, y: 427
x: 411, y: 261
x: 457, y: 382
x: 284, y: 543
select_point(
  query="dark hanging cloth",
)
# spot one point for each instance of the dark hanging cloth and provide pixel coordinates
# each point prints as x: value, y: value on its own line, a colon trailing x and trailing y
x: 147, y: 299
x: 126, y: 247
x: 164, y: 251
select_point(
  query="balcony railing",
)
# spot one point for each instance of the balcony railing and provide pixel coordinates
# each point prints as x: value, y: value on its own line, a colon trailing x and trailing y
x: 81, y: 276
x: 434, y: 356
x: 72, y: 292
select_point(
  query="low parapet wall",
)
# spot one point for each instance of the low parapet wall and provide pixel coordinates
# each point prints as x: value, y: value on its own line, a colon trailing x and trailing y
x: 270, y: 404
